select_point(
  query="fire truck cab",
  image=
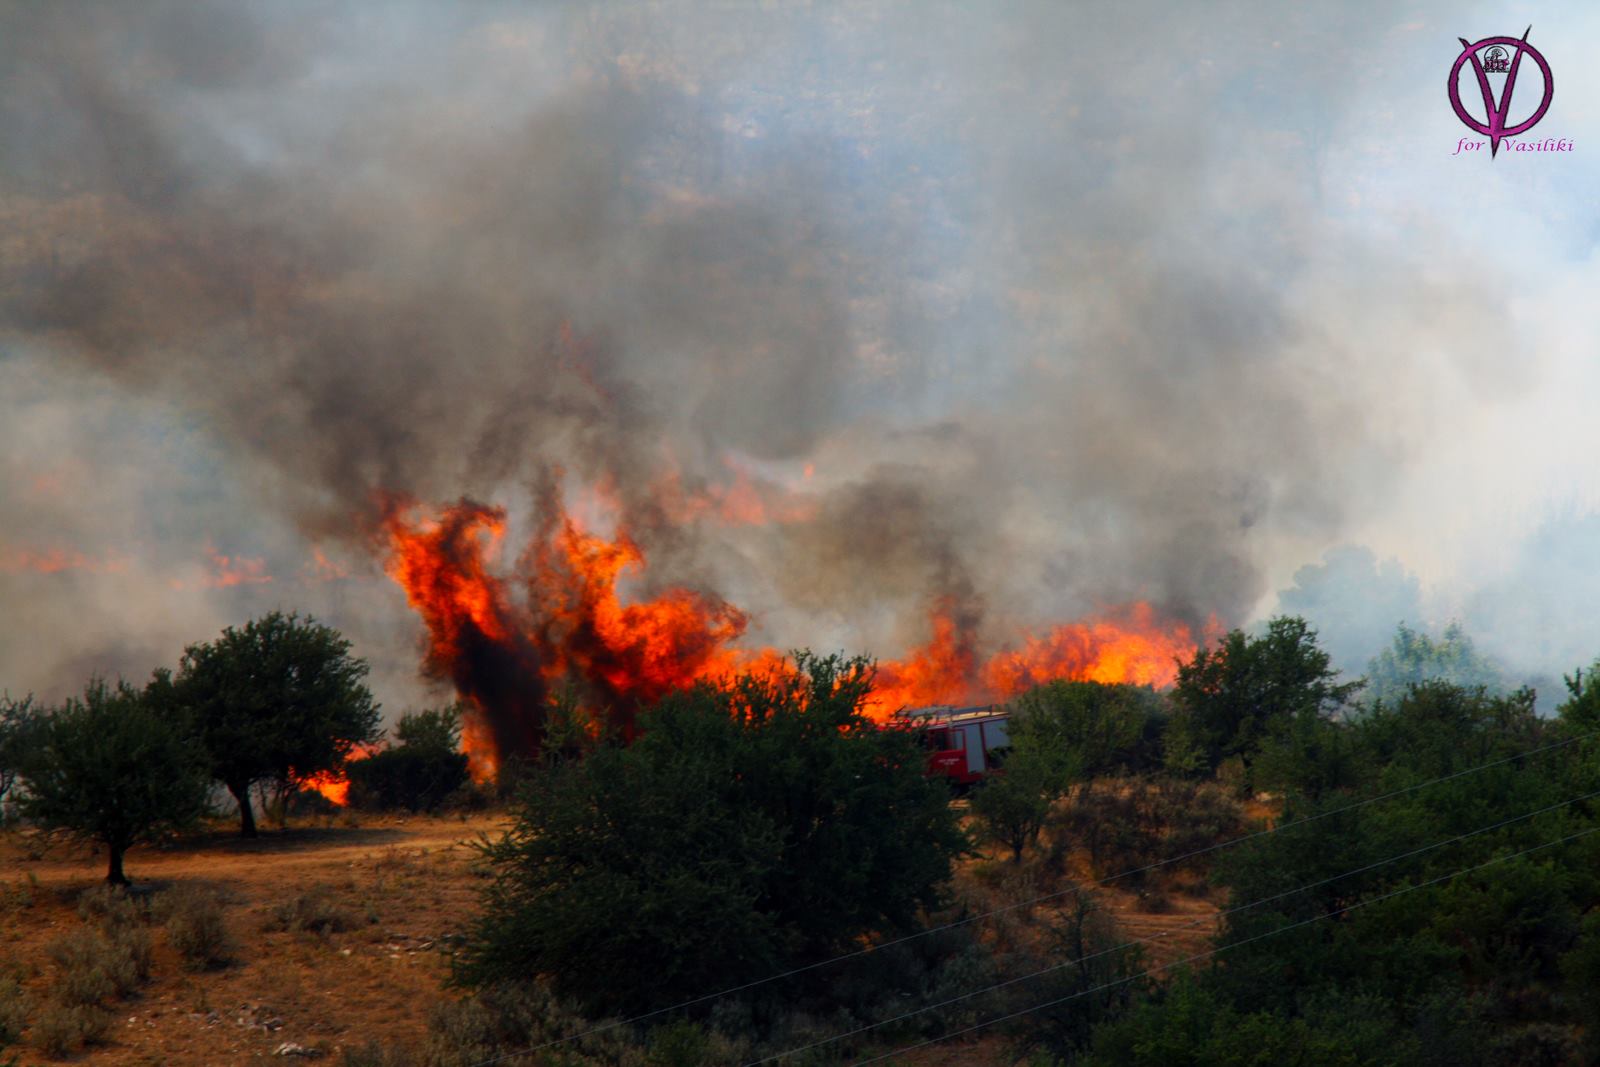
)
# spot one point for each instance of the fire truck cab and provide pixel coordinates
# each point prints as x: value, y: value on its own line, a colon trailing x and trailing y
x: 965, y: 745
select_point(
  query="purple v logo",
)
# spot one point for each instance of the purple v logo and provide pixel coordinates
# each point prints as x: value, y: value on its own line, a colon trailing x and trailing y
x: 1496, y: 112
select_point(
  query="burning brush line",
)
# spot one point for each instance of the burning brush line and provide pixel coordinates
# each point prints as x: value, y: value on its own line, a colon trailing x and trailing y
x: 507, y: 643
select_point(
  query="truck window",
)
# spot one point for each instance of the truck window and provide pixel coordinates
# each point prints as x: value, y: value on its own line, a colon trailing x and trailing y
x: 994, y: 734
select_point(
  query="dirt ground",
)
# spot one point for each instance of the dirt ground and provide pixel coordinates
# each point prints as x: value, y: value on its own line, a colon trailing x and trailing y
x: 412, y: 881
x: 410, y: 878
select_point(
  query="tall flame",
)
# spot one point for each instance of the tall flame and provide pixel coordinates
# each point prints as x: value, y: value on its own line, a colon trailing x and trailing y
x: 506, y: 654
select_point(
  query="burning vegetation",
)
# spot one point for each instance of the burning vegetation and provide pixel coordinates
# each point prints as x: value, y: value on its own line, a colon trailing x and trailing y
x: 507, y: 641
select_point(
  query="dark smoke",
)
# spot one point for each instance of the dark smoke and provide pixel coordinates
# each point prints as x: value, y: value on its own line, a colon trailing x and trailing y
x: 1048, y: 343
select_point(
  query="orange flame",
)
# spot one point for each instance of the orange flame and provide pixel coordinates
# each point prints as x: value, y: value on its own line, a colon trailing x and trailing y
x: 56, y: 560
x: 1131, y: 646
x: 335, y: 785
x: 505, y: 655
x: 228, y: 571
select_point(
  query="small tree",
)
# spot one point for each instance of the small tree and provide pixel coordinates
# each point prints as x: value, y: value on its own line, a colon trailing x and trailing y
x: 1236, y: 695
x: 418, y: 773
x: 277, y: 700
x: 1083, y: 729
x: 1062, y: 733
x: 113, y: 768
x: 1012, y: 805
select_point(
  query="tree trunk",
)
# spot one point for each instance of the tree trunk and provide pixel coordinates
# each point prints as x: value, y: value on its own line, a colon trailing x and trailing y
x: 114, y: 875
x: 247, y: 817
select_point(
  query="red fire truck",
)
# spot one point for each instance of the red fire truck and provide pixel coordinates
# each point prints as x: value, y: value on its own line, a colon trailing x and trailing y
x: 964, y: 745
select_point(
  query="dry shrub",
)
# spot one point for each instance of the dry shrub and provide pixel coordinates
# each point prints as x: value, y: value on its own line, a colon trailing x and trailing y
x: 504, y: 1018
x: 314, y: 912
x: 14, y: 1010
x: 22, y: 895
x: 92, y: 967
x: 112, y: 908
x: 374, y: 1054
x: 197, y: 929
x: 1164, y: 825
x: 63, y: 1028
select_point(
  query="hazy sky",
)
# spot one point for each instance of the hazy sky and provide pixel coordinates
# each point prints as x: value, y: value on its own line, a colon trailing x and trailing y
x: 1061, y: 305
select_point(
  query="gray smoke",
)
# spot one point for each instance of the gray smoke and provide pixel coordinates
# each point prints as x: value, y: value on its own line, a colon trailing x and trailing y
x: 1051, y: 339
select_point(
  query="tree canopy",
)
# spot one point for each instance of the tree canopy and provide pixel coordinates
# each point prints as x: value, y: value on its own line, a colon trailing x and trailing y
x: 1414, y: 657
x: 113, y: 767
x: 753, y: 825
x: 1413, y: 930
x: 1233, y: 697
x: 277, y: 699
x: 421, y: 771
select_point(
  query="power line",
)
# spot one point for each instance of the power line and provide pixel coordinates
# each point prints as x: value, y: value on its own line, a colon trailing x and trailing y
x: 970, y: 919
x: 1167, y: 933
x: 1223, y: 948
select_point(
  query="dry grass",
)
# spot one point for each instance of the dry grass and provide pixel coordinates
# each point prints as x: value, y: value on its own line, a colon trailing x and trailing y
x: 361, y: 919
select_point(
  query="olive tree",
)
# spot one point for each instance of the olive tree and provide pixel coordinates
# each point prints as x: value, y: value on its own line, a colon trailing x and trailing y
x: 115, y: 768
x: 275, y: 700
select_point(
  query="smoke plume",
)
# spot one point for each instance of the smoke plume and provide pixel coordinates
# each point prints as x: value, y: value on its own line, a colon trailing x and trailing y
x: 840, y: 312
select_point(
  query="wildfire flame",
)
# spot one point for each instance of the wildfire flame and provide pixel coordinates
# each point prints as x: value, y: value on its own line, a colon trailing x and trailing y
x: 506, y: 654
x: 335, y: 785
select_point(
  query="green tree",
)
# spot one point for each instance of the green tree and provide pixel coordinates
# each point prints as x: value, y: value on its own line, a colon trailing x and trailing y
x: 1582, y: 708
x: 1012, y: 805
x: 1410, y: 929
x: 112, y: 767
x: 751, y: 826
x: 418, y: 773
x: 1061, y: 733
x: 1414, y: 657
x: 276, y: 700
x: 1083, y: 729
x: 432, y: 730
x: 1233, y: 697
x: 17, y: 719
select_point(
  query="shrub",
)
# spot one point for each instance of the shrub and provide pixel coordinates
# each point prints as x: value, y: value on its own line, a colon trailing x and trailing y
x: 197, y: 929
x: 63, y: 1028
x: 111, y: 908
x: 14, y: 1010
x: 1096, y: 979
x: 410, y: 777
x: 314, y: 911
x: 505, y: 1017
x: 751, y: 826
x: 375, y: 1054
x: 1143, y: 822
x: 1012, y: 806
x: 92, y: 968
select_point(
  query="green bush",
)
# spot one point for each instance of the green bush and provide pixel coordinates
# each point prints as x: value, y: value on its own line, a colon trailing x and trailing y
x: 751, y: 826
x: 1011, y: 807
x: 417, y: 779
x: 376, y: 1054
